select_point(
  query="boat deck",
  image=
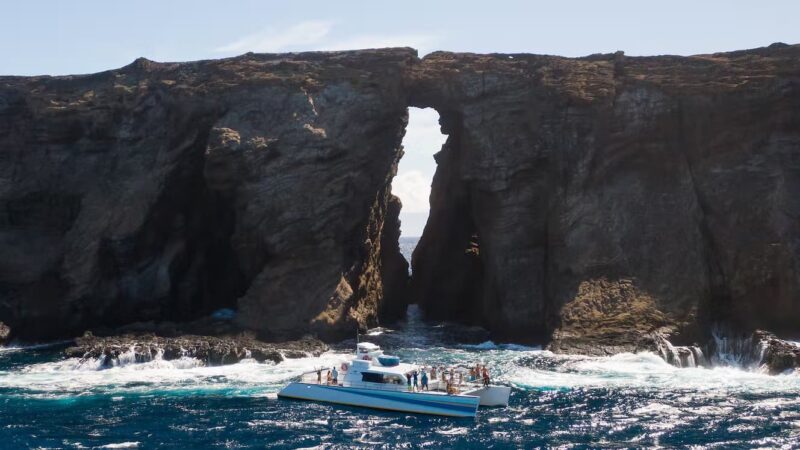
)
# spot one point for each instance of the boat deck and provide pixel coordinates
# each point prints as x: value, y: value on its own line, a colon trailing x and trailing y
x: 434, y: 387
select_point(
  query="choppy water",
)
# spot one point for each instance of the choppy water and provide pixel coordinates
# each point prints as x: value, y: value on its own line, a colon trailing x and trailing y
x: 557, y: 401
x: 407, y: 245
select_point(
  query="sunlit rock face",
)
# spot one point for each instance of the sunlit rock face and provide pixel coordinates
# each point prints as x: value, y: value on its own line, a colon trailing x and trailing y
x: 602, y: 200
x: 601, y: 204
x: 164, y: 191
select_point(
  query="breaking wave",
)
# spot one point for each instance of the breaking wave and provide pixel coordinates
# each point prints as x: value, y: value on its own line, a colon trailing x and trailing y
x: 632, y: 400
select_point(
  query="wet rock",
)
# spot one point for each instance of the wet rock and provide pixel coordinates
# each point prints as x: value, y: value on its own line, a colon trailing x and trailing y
x: 778, y: 355
x: 208, y: 349
x: 5, y: 333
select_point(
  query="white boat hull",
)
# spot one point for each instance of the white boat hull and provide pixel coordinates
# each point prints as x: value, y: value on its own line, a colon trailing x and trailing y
x: 412, y: 402
x: 491, y: 395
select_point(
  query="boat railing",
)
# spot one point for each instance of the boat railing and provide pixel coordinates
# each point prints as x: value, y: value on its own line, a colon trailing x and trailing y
x: 380, y: 386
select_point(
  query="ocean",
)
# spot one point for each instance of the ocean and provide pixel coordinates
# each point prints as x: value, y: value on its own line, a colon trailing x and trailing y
x: 557, y: 401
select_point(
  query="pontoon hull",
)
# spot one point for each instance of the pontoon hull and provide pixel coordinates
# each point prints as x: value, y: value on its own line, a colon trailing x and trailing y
x: 492, y: 395
x: 411, y: 402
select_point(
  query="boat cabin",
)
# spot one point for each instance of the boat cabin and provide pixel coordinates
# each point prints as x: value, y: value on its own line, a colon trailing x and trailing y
x: 371, y: 368
x: 369, y: 373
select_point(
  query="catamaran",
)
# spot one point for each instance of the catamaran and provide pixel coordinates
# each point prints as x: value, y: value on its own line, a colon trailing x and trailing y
x: 375, y: 380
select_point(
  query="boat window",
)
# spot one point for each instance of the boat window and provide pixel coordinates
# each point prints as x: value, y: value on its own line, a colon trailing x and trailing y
x: 372, y: 377
x: 394, y: 379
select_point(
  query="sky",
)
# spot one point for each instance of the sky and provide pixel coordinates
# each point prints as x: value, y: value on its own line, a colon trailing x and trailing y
x: 59, y: 37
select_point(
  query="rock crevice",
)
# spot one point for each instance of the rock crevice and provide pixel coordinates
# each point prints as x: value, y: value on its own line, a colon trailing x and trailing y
x: 656, y: 184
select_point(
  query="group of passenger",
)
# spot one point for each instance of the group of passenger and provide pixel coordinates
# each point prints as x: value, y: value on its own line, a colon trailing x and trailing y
x: 331, y: 376
x: 451, y: 378
x: 479, y: 372
x: 417, y: 380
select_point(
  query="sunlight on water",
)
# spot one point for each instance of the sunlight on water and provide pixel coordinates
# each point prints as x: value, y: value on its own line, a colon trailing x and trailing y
x: 557, y: 400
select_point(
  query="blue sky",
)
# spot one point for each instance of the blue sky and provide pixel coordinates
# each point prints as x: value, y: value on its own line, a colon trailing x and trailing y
x: 60, y: 37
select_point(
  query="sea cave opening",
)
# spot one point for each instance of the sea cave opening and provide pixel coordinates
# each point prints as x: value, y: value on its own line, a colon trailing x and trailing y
x: 439, y: 236
x: 415, y: 171
x: 439, y: 230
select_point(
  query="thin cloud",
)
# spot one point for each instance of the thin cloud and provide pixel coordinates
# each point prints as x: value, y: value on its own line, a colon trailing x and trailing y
x: 414, y: 189
x: 316, y: 35
x: 308, y: 33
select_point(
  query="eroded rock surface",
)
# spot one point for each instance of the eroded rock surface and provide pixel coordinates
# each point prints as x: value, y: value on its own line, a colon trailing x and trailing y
x: 596, y: 203
x: 610, y: 197
x: 5, y: 333
x: 116, y: 350
x: 780, y: 356
x: 163, y: 191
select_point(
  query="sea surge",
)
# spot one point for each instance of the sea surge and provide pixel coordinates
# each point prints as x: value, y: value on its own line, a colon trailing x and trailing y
x: 626, y: 400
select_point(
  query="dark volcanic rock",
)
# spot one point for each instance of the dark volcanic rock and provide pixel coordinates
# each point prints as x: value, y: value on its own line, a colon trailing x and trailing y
x: 210, y: 350
x: 775, y: 354
x: 163, y: 191
x: 5, y: 332
x: 610, y: 197
x: 592, y: 202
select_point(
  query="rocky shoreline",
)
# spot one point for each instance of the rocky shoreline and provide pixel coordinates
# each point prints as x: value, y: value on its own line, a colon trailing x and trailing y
x: 208, y: 349
x: 5, y: 333
x: 757, y: 350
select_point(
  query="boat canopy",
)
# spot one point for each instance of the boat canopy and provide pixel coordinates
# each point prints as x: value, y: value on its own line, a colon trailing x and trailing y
x: 367, y: 347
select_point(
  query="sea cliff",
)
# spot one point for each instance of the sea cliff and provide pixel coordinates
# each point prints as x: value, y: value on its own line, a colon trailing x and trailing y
x: 599, y: 204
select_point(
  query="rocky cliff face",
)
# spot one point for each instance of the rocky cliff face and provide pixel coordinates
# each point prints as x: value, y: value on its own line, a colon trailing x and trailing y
x: 601, y: 199
x: 593, y: 202
x: 164, y: 191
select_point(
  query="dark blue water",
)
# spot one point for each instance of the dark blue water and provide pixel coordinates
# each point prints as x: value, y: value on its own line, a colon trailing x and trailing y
x: 625, y: 401
x: 557, y: 401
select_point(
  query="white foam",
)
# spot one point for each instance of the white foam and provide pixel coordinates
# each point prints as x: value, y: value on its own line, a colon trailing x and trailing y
x: 16, y: 347
x: 487, y: 345
x: 70, y: 377
x: 647, y: 370
x: 122, y: 445
x: 490, y: 345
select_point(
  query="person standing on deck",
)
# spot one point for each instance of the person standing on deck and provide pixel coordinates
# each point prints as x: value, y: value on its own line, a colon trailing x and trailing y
x: 485, y: 376
x: 414, y: 376
x: 408, y: 380
x: 335, y: 376
x: 424, y: 380
x: 319, y: 376
x: 328, y: 377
